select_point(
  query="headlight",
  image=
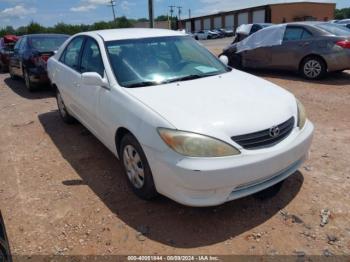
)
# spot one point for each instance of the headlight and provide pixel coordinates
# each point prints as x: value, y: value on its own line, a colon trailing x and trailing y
x: 301, y: 115
x: 195, y: 145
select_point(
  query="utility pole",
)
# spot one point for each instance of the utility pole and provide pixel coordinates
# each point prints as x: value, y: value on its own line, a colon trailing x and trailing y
x: 172, y: 7
x: 179, y: 11
x: 151, y: 13
x: 189, y: 13
x: 112, y: 4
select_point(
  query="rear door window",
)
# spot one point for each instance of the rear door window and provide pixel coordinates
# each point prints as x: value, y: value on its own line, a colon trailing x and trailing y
x: 296, y: 34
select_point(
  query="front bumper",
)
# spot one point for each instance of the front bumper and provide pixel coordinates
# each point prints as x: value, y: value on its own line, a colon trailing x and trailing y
x: 213, y: 181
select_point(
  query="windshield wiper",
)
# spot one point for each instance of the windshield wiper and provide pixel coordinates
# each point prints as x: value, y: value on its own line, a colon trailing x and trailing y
x: 179, y: 79
x: 187, y: 78
x: 142, y: 84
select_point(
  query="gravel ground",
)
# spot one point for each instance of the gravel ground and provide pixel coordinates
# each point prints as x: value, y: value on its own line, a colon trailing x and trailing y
x: 62, y: 191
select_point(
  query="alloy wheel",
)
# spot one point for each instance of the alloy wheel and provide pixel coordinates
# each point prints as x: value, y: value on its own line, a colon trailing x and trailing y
x: 133, y: 166
x: 312, y: 69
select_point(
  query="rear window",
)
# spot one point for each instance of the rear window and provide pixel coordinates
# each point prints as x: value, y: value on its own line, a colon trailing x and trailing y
x: 334, y: 29
x: 46, y: 43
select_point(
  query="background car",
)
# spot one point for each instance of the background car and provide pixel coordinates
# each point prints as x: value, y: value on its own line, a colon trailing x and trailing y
x: 344, y: 22
x: 30, y: 56
x: 311, y: 48
x: 206, y: 34
x: 226, y: 32
x: 7, y: 44
x: 219, y: 32
x: 245, y: 30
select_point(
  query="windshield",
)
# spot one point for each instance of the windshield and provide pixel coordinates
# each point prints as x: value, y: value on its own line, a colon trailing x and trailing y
x: 334, y: 29
x: 154, y: 61
x: 46, y: 43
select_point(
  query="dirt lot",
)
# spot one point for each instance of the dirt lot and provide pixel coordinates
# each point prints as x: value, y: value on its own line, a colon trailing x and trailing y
x: 62, y: 191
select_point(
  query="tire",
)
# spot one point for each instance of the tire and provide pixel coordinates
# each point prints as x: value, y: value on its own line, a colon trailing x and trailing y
x: 136, y: 168
x: 313, y: 68
x: 235, y: 61
x: 27, y: 82
x: 12, y: 75
x: 196, y: 38
x: 62, y: 109
x: 269, y: 192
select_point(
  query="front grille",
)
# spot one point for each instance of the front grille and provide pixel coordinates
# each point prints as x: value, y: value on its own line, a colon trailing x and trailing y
x: 264, y: 138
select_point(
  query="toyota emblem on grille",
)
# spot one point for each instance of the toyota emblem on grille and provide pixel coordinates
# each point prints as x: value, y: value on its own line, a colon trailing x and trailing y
x: 274, y: 131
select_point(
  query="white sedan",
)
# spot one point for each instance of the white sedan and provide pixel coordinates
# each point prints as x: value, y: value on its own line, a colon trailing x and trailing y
x: 182, y: 123
x: 205, y: 35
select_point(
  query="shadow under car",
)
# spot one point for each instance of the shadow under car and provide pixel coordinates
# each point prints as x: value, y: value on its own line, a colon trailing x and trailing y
x: 162, y: 219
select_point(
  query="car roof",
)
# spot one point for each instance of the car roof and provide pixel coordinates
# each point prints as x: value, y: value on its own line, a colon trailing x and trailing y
x: 133, y: 33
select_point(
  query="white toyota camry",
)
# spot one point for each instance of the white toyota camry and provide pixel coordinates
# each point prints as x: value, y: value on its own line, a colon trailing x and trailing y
x: 182, y: 123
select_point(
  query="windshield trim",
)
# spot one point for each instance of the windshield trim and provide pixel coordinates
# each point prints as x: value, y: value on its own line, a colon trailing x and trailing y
x: 169, y: 81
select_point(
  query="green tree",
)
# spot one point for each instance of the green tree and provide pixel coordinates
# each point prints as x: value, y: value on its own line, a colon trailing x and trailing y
x: 69, y: 29
x: 35, y: 28
x: 123, y: 22
x: 142, y: 20
x: 342, y: 13
x: 162, y: 18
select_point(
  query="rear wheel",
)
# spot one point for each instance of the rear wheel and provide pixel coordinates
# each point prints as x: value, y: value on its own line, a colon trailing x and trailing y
x: 136, y: 168
x: 66, y: 117
x: 27, y: 81
x: 12, y: 75
x: 313, y: 68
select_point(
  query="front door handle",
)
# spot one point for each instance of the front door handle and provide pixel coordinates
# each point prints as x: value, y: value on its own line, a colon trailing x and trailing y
x: 305, y: 44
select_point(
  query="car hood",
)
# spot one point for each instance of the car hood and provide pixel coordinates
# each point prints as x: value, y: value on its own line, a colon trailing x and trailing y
x: 231, y: 104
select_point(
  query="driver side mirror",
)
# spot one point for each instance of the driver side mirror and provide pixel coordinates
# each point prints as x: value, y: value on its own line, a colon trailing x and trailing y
x: 94, y: 79
x: 224, y: 59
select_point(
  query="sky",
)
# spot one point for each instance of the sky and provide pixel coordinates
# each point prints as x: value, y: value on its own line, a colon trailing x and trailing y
x: 49, y: 12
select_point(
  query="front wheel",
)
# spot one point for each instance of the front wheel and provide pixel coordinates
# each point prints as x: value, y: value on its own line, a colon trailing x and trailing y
x: 136, y: 168
x: 313, y: 68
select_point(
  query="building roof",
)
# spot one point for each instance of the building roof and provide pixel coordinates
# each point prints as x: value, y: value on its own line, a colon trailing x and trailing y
x: 245, y: 4
x: 134, y: 33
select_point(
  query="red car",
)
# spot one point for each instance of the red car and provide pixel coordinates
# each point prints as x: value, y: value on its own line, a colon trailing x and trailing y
x: 7, y: 44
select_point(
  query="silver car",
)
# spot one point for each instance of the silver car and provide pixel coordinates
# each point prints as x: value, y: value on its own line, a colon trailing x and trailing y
x: 311, y: 48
